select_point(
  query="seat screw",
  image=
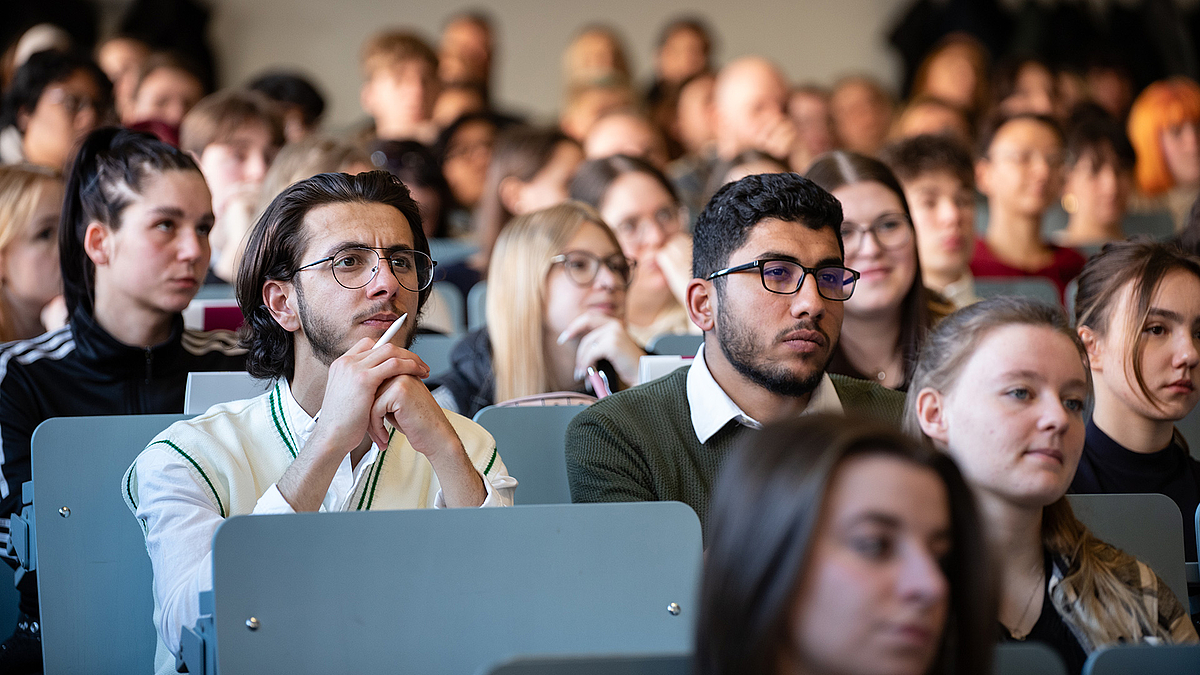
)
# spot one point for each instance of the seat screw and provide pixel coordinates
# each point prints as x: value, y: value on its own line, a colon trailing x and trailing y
x: 252, y: 623
x: 64, y: 512
x: 673, y: 609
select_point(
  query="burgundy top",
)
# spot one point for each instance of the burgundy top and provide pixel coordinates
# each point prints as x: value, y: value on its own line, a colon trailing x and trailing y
x: 1067, y: 265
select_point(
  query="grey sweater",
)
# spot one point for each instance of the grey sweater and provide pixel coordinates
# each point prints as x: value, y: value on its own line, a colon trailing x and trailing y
x: 639, y: 444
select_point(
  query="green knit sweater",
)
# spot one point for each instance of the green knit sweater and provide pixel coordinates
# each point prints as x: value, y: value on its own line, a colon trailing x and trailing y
x: 639, y: 444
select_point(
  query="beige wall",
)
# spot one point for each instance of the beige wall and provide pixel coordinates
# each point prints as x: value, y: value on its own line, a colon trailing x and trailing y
x: 812, y: 40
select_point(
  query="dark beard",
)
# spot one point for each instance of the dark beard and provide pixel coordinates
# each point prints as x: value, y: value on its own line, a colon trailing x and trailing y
x: 320, y: 334
x: 323, y: 337
x: 737, y: 344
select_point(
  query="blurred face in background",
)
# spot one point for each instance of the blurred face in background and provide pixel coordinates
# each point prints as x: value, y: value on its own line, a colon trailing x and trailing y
x: 121, y: 60
x: 1034, y: 91
x: 644, y: 217
x: 1181, y: 152
x: 951, y: 76
x: 465, y: 53
x: 236, y: 166
x: 625, y: 134
x: 683, y: 54
x: 1022, y: 172
x: 29, y: 265
x: 1097, y: 187
x: 750, y: 100
x: 695, y: 114
x: 809, y: 111
x: 65, y: 112
x: 862, y: 116
x: 943, y: 216
x: 468, y: 153
x: 165, y: 95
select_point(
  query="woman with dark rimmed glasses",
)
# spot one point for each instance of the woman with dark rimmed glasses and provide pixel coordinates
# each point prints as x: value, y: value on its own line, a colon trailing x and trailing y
x: 556, y: 306
x: 886, y: 320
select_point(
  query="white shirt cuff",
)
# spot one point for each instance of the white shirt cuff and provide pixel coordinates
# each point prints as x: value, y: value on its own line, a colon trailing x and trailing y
x: 272, y: 502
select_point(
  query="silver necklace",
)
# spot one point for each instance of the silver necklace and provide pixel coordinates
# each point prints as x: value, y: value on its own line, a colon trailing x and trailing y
x: 1021, y: 622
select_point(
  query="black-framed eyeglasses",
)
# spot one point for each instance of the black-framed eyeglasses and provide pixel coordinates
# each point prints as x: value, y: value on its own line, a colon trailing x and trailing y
x: 785, y: 277
x: 356, y: 266
x: 582, y: 267
x: 891, y: 231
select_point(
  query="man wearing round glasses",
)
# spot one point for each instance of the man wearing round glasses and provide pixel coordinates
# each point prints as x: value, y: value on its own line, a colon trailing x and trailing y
x: 768, y: 287
x: 348, y: 425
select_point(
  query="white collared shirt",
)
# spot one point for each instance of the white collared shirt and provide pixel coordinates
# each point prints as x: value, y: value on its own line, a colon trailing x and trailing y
x: 712, y: 408
x: 180, y: 546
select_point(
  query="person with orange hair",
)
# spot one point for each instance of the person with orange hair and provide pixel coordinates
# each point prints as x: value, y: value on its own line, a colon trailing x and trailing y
x: 1164, y: 128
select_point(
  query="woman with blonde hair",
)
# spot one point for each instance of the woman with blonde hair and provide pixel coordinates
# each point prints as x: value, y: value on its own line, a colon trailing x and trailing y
x: 1164, y: 123
x: 555, y: 309
x: 1001, y: 386
x: 30, y: 203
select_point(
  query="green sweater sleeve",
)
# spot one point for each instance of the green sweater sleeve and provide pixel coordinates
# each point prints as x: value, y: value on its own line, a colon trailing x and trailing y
x: 604, y: 461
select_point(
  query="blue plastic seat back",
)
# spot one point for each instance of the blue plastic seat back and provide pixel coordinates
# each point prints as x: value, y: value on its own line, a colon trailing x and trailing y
x: 1029, y: 658
x: 435, y: 350
x: 1138, y: 659
x: 94, y: 577
x: 532, y: 442
x: 477, y: 306
x: 667, y: 664
x: 675, y: 345
x: 1036, y: 288
x: 1147, y: 526
x: 451, y: 591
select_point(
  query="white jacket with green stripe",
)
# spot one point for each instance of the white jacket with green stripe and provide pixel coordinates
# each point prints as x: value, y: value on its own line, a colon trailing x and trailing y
x: 226, y: 462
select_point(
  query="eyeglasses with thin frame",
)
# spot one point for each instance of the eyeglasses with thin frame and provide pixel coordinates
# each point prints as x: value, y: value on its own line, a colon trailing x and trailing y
x: 834, y: 282
x: 583, y: 266
x: 667, y: 220
x: 890, y: 231
x: 356, y: 266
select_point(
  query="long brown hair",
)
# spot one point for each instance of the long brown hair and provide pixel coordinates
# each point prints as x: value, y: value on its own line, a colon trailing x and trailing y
x: 1142, y: 263
x: 765, y: 510
x: 838, y: 169
x: 520, y: 152
x: 21, y: 188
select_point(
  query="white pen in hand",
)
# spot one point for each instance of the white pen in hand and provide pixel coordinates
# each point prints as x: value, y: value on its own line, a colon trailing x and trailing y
x: 391, y: 331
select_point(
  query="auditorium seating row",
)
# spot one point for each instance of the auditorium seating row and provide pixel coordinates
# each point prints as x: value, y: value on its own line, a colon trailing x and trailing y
x: 455, y: 591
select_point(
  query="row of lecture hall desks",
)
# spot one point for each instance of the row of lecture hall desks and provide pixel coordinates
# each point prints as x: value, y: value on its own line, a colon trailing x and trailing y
x: 544, y: 587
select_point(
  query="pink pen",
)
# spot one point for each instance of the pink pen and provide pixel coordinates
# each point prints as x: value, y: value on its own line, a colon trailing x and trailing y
x: 599, y: 382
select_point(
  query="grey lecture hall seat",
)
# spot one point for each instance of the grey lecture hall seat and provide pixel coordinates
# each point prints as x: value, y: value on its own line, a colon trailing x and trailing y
x: 94, y: 577
x: 675, y: 345
x: 451, y: 591
x: 657, y: 664
x: 1146, y: 526
x: 1138, y: 659
x: 435, y: 350
x: 1037, y: 288
x: 1027, y: 658
x: 477, y: 306
x: 531, y: 441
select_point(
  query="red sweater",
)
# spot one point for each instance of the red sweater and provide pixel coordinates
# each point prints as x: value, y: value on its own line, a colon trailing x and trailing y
x: 1067, y: 265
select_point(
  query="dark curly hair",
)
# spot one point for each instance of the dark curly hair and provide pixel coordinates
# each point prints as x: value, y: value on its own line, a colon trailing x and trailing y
x: 725, y: 223
x: 278, y: 240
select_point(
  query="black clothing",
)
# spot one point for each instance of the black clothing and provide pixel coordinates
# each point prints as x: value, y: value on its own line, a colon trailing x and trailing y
x: 1108, y: 468
x: 1051, y: 630
x: 471, y: 379
x: 82, y: 370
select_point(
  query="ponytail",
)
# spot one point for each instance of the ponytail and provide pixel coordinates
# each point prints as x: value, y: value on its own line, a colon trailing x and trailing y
x: 108, y: 171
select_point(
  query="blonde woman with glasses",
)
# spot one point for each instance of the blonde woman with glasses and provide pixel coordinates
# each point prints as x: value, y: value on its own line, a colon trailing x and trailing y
x: 30, y: 203
x: 556, y: 307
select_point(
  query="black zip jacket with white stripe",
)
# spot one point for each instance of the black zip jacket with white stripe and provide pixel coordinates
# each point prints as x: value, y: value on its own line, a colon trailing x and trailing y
x: 82, y: 370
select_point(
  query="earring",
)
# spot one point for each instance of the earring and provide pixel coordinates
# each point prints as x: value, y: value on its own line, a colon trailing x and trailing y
x: 1070, y: 203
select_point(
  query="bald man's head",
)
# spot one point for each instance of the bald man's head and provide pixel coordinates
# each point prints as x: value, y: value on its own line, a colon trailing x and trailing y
x: 750, y: 99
